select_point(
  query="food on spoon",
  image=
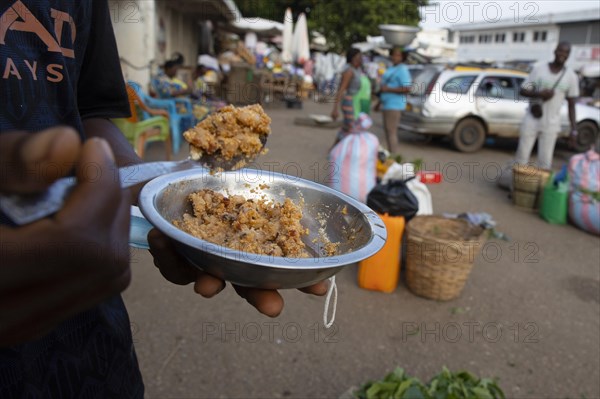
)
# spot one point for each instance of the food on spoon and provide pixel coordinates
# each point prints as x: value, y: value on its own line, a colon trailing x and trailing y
x: 229, y: 133
x: 251, y: 225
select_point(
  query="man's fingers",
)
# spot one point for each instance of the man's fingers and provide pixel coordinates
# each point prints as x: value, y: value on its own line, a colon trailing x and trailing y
x: 267, y: 302
x: 207, y: 285
x: 30, y: 162
x: 172, y: 266
x: 319, y: 289
x: 98, y: 190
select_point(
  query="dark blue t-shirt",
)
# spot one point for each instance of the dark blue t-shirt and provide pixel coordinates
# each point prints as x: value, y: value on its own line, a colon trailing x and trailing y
x: 59, y: 65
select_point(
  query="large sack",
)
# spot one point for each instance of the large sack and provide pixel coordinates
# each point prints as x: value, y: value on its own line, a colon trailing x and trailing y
x: 584, y: 196
x: 354, y: 161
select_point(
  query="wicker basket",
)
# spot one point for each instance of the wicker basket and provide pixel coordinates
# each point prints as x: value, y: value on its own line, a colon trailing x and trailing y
x: 528, y: 186
x: 440, y: 255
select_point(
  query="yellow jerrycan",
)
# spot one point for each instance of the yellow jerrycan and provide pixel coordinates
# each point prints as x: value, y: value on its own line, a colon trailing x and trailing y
x: 380, y: 272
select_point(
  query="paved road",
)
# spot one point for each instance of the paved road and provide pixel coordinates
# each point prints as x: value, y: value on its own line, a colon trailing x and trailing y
x: 529, y: 314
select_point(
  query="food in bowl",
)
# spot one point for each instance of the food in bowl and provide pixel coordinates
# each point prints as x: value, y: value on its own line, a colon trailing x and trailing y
x: 252, y: 225
x: 326, y: 213
x: 229, y: 133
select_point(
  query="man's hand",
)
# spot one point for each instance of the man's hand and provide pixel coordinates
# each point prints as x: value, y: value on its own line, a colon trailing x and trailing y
x: 546, y: 94
x: 57, y: 267
x: 176, y: 269
x: 29, y: 163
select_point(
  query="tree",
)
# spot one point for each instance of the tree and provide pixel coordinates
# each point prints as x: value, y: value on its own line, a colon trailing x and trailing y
x: 342, y: 22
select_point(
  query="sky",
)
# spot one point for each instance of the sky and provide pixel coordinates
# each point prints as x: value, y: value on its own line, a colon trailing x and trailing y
x: 449, y: 12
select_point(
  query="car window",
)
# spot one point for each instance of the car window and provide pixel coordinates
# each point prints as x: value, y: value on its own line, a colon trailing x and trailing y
x: 422, y: 80
x: 459, y: 84
x: 503, y: 87
x: 414, y: 72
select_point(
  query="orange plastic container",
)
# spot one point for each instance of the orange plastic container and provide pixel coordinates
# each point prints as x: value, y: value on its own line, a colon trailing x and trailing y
x: 380, y: 272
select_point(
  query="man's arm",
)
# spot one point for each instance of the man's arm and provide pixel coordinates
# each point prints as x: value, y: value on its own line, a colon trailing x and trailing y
x: 573, y: 121
x: 531, y: 92
x: 122, y: 149
x: 530, y: 88
x: 572, y: 113
x: 105, y: 129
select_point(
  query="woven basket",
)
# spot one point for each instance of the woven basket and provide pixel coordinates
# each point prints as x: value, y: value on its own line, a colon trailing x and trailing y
x: 440, y: 255
x: 528, y: 186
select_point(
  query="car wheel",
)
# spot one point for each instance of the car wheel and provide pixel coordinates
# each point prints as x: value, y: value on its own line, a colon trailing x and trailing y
x: 587, y: 134
x: 468, y: 135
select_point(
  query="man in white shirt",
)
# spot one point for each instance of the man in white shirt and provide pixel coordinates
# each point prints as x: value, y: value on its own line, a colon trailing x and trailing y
x: 548, y: 84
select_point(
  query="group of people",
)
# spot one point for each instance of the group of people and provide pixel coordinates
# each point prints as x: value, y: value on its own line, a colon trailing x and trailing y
x: 548, y: 85
x: 64, y: 329
x: 201, y: 89
x: 395, y: 85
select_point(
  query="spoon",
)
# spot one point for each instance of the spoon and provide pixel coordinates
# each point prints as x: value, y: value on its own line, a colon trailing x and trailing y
x: 24, y: 209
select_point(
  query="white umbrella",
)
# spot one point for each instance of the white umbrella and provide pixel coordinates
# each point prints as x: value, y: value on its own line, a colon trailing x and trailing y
x: 286, y: 45
x: 301, y: 46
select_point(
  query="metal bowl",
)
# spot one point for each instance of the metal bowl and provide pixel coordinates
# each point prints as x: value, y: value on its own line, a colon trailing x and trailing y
x: 398, y: 35
x: 326, y: 213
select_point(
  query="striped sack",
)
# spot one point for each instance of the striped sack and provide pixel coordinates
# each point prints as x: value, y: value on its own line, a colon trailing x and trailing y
x: 354, y: 161
x: 584, y: 195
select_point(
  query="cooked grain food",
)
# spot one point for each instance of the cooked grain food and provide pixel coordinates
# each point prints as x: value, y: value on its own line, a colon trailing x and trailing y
x: 230, y: 132
x: 251, y: 225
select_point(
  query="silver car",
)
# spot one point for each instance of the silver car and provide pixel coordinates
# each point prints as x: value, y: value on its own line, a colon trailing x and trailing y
x: 470, y: 104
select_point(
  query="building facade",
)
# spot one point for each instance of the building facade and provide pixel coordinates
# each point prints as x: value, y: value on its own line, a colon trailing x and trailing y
x: 531, y: 40
x: 150, y: 31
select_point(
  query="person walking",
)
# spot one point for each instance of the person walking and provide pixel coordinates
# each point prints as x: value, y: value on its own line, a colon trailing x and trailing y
x: 547, y: 87
x: 349, y: 87
x: 395, y: 85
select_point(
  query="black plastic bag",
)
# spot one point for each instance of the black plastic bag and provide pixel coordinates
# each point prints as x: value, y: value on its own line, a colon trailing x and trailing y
x: 393, y: 198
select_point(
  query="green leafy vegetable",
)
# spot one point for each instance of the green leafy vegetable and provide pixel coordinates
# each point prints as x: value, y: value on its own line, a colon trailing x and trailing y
x: 445, y: 385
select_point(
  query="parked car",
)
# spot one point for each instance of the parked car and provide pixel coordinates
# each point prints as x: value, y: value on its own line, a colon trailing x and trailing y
x: 470, y: 104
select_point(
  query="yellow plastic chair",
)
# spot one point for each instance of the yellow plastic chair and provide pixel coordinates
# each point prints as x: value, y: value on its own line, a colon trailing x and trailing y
x: 139, y: 131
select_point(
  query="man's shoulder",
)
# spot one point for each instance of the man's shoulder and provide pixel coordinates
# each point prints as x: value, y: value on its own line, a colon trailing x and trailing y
x: 539, y: 67
x: 570, y: 72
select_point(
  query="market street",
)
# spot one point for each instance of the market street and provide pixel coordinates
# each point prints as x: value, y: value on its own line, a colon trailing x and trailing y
x: 528, y: 315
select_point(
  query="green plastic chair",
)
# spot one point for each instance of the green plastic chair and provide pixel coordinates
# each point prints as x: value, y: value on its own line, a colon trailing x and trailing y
x: 140, y: 131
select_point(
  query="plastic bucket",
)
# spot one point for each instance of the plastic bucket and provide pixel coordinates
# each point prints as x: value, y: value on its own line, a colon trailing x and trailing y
x: 554, y: 208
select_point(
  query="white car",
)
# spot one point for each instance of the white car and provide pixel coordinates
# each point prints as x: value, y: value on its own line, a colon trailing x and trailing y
x: 470, y: 104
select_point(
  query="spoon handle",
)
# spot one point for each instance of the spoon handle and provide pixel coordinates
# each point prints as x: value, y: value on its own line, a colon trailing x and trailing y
x: 26, y: 209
